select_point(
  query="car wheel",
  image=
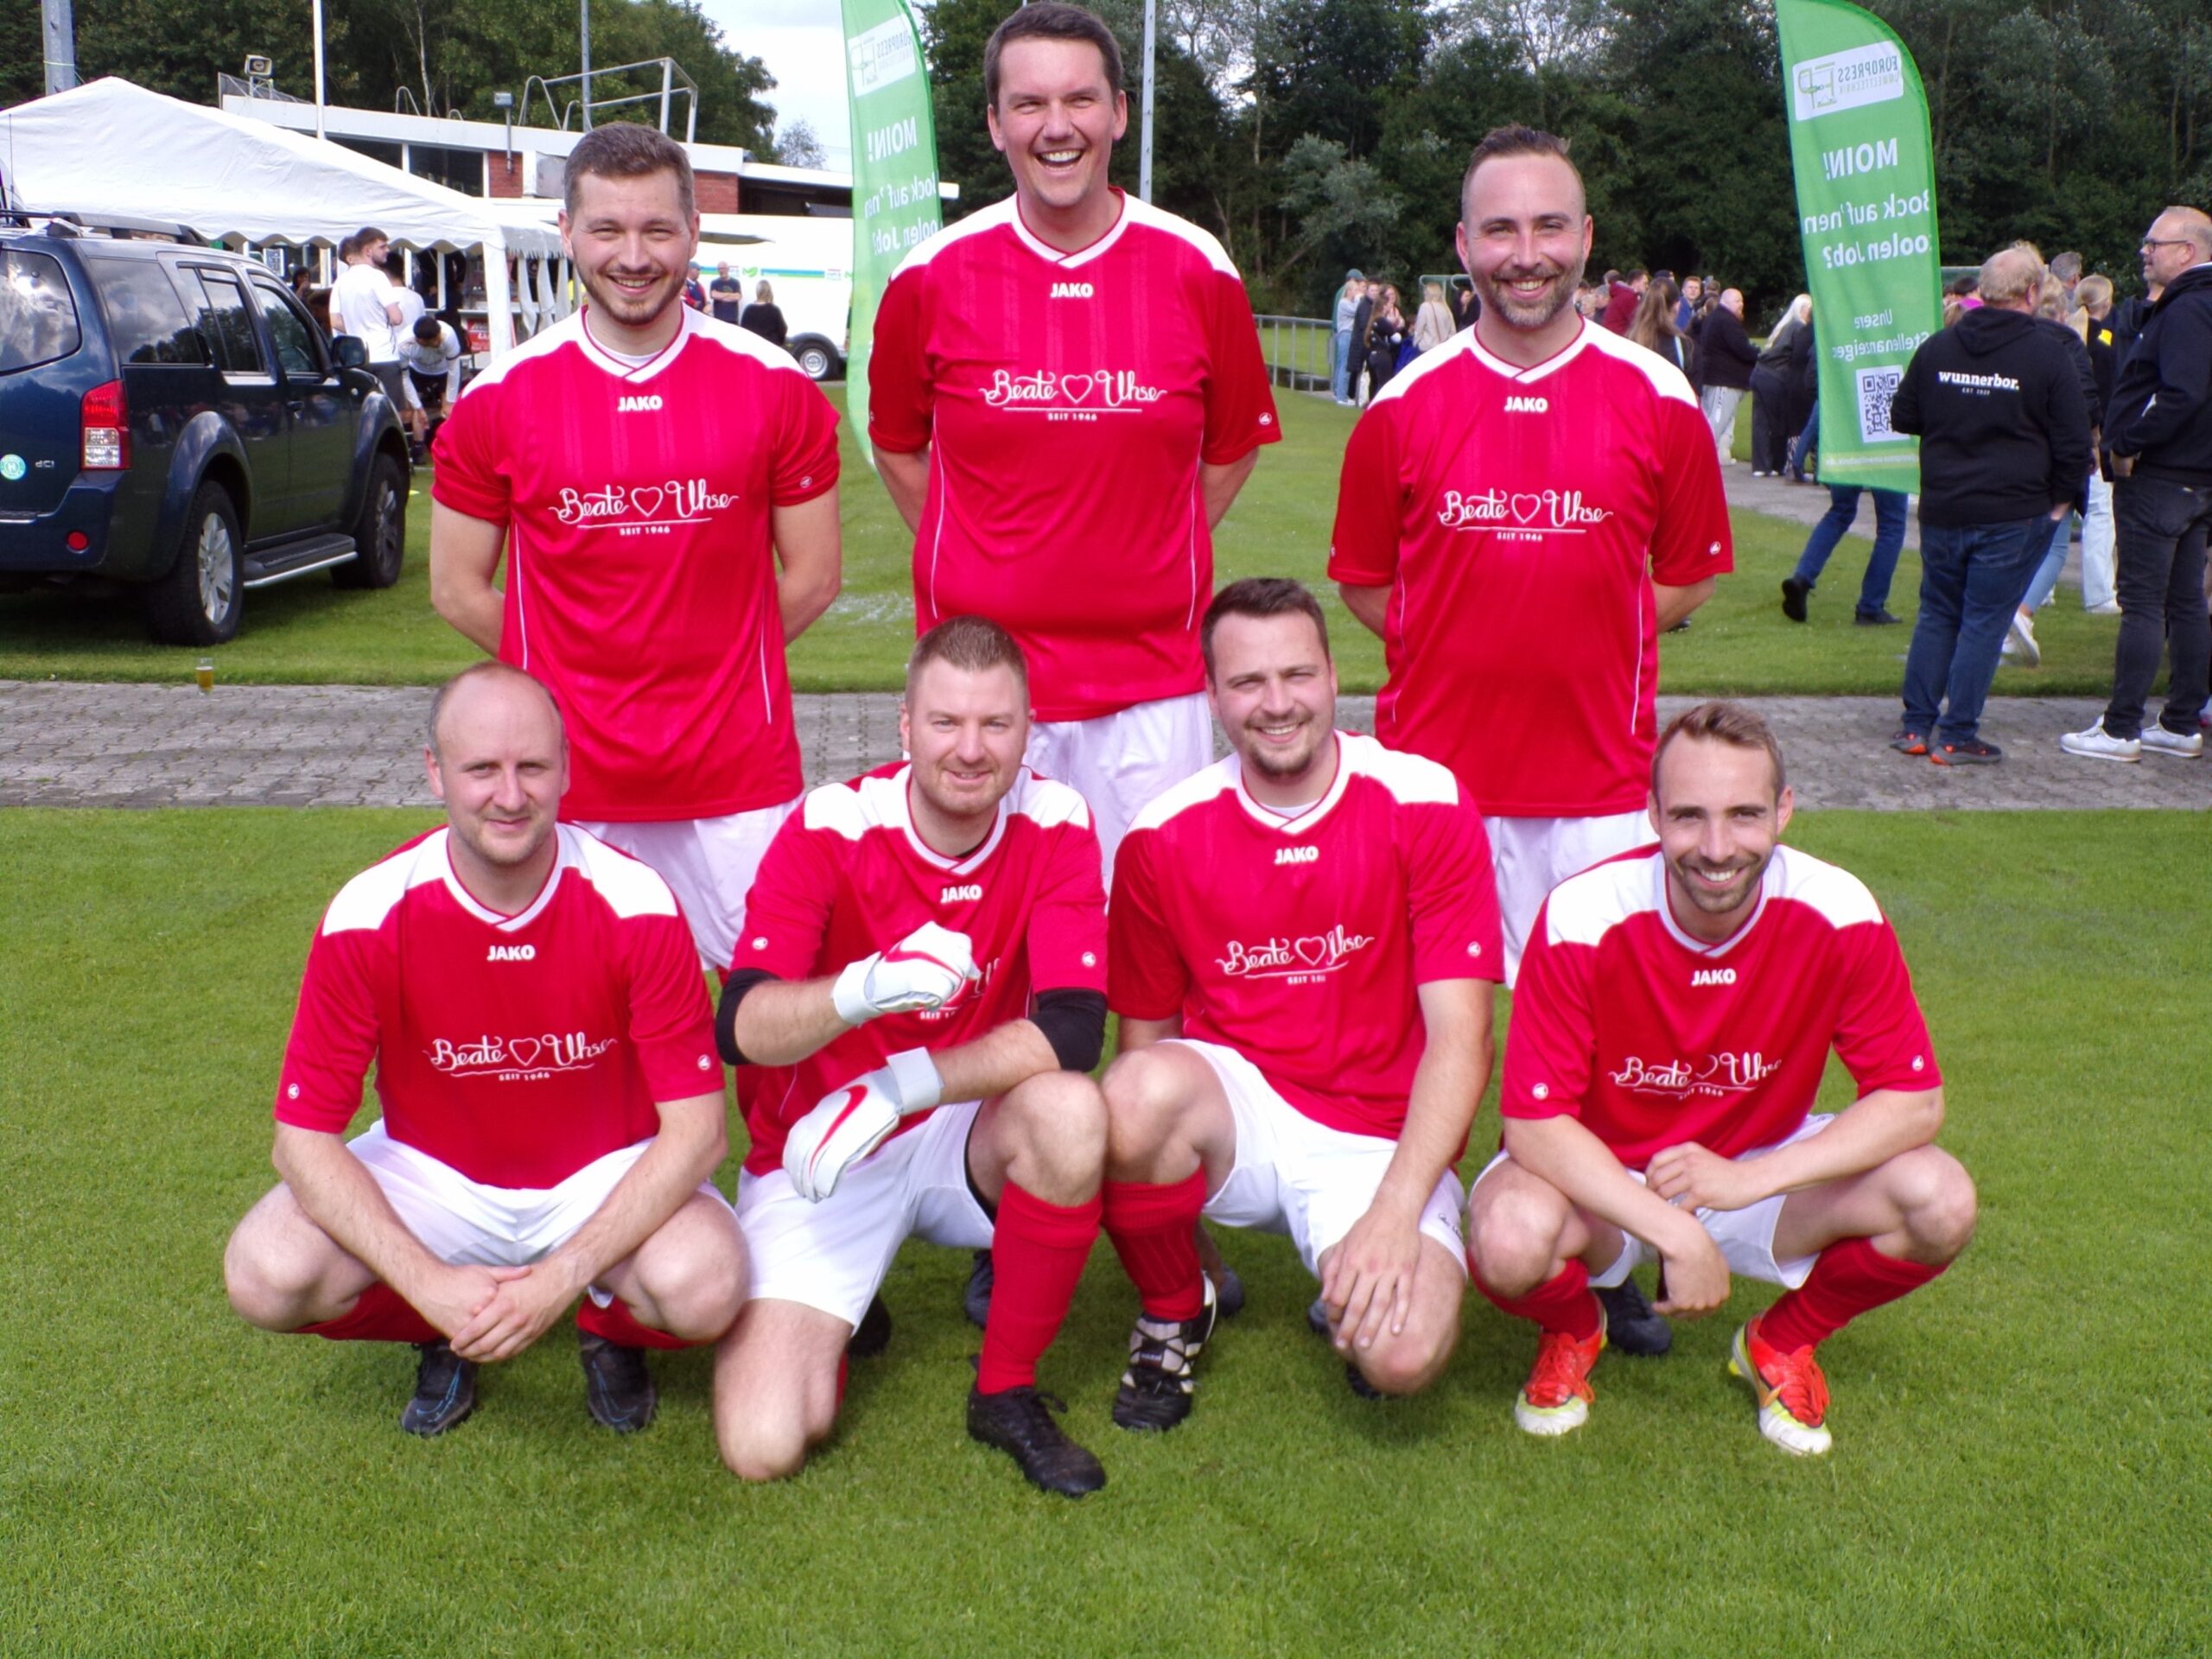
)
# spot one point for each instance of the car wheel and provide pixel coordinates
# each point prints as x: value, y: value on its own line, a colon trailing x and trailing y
x: 200, y: 600
x: 381, y: 533
x: 815, y: 360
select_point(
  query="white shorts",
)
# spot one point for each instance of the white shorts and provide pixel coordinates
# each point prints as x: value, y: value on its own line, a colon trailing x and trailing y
x: 833, y: 1255
x: 1120, y: 762
x: 459, y: 1220
x: 1295, y: 1176
x: 1534, y: 856
x: 1745, y: 1236
x: 709, y: 863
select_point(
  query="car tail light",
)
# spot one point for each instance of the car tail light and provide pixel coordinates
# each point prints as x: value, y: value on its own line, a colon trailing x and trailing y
x: 77, y: 540
x: 106, y: 429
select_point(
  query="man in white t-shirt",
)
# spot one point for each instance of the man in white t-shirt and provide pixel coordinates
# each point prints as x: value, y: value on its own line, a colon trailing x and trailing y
x: 364, y: 303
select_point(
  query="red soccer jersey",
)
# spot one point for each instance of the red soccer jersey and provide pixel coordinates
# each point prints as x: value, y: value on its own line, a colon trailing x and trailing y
x: 516, y: 1049
x: 1301, y: 941
x: 641, y: 583
x: 1653, y: 1038
x: 847, y: 876
x: 1068, y: 400
x: 1520, y: 516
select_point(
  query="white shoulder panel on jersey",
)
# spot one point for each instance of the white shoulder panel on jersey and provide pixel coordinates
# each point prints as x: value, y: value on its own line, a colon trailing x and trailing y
x: 1412, y: 779
x: 1460, y: 345
x: 374, y: 895
x: 1159, y: 218
x: 1838, y: 894
x: 997, y: 216
x: 1584, y: 908
x: 1048, y: 802
x: 629, y: 886
x: 1195, y: 789
x: 841, y: 809
x: 1666, y: 379
x: 740, y: 342
x: 570, y: 331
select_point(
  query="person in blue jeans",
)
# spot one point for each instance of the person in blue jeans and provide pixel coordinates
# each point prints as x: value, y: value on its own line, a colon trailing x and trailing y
x: 1874, y: 587
x: 1971, y: 576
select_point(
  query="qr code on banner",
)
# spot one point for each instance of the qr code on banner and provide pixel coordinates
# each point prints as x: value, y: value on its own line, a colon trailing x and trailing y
x: 1876, y: 388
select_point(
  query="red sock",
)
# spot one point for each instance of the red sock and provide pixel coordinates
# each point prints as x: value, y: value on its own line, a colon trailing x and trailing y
x: 1848, y: 1277
x: 1154, y: 1230
x: 1564, y: 1303
x: 381, y: 1315
x: 619, y: 1324
x: 1038, y: 1253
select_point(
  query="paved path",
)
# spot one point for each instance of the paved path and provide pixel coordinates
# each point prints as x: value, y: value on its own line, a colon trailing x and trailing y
x: 141, y: 746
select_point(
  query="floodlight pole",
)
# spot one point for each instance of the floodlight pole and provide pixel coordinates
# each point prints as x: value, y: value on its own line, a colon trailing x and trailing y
x: 320, y: 97
x: 1144, y: 149
x: 587, y: 44
x: 60, y: 45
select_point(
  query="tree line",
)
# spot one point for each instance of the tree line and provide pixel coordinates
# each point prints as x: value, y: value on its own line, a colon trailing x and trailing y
x: 1315, y: 135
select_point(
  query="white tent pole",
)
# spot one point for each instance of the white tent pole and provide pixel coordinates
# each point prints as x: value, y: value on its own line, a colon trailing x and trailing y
x: 499, y: 297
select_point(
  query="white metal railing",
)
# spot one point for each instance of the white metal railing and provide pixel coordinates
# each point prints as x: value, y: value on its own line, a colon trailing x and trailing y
x: 1296, y: 351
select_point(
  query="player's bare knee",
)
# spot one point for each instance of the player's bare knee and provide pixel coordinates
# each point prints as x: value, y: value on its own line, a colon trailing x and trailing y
x: 1409, y: 1363
x: 1059, y: 1120
x: 1940, y: 1205
x: 268, y: 1283
x: 1144, y: 1107
x: 1514, y: 1239
x: 759, y: 1450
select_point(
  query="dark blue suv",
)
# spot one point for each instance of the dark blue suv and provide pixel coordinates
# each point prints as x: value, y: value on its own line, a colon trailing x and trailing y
x: 171, y: 420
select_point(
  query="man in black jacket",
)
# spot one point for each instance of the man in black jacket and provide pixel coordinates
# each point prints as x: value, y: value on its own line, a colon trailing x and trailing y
x: 2005, y: 448
x: 1724, y: 355
x: 2159, y: 437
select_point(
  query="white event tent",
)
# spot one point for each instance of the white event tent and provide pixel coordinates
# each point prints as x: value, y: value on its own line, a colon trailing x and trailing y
x: 111, y: 147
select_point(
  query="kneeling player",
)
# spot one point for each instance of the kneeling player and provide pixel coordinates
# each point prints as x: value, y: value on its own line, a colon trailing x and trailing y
x: 552, y: 1106
x: 1675, y: 1013
x: 1305, y: 944
x: 929, y: 932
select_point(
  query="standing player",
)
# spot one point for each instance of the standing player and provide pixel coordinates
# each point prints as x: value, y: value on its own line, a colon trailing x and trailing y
x: 1675, y: 1011
x: 1066, y: 396
x: 929, y: 932
x: 1305, y: 940
x: 552, y: 1106
x: 645, y: 469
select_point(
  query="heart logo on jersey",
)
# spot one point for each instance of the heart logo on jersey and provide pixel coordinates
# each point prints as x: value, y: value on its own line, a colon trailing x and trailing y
x: 646, y: 502
x: 1077, y: 387
x: 1526, y: 507
x: 523, y: 1051
x: 1312, y: 952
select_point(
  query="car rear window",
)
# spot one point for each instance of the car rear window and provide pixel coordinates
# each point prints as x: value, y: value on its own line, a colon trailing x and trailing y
x: 145, y: 314
x: 38, y: 320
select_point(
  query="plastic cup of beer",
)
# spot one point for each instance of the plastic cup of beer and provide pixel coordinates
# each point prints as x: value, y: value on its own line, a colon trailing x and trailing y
x: 203, y: 675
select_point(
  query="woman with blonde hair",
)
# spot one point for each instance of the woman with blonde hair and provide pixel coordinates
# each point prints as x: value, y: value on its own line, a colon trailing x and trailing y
x: 1433, y: 323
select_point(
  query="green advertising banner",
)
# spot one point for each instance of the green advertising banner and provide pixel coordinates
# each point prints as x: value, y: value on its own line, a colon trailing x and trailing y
x: 895, y: 204
x: 1865, y: 175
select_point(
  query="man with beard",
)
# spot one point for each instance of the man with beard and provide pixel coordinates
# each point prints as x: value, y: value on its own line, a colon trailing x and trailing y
x: 551, y: 1105
x: 1522, y: 514
x: 1675, y: 1011
x: 1304, y: 945
x: 664, y: 489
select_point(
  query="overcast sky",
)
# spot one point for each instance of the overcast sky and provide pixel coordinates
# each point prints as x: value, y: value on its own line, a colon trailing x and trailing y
x: 803, y: 43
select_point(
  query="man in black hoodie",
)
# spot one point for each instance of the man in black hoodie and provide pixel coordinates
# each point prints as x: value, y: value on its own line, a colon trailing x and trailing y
x: 2004, y: 449
x: 1724, y: 355
x: 2159, y: 437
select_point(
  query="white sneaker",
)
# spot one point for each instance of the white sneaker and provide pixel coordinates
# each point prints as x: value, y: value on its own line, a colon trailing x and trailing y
x: 2100, y: 745
x: 2157, y: 740
x: 2110, y: 608
x: 2021, y: 636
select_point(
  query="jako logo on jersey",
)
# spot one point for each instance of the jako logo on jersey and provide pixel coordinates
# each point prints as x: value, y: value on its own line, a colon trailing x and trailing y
x: 1297, y: 854
x: 1072, y: 291
x: 961, y: 895
x: 1311, y: 956
x: 1713, y: 977
x: 1717, y: 1074
x: 614, y: 505
x: 1526, y: 406
x: 513, y: 953
x: 1560, y: 510
x: 1107, y: 390
x: 625, y: 405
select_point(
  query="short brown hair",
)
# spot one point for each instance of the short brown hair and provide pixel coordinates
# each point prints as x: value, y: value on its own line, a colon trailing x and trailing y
x: 1049, y: 20
x: 1737, y: 724
x: 973, y: 643
x: 1502, y: 141
x: 622, y: 149
x: 1261, y: 596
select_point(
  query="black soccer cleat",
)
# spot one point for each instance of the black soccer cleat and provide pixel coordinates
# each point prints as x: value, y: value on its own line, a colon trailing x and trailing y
x: 617, y: 1389
x: 1631, y: 1327
x: 1155, y: 1391
x: 873, y: 1334
x: 976, y: 1300
x: 1356, y: 1380
x: 445, y: 1390
x: 1018, y: 1422
x: 1317, y: 1317
x: 1228, y: 1291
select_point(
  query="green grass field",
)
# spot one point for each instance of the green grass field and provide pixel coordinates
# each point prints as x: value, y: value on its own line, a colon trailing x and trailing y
x: 305, y: 632
x: 2021, y: 1463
